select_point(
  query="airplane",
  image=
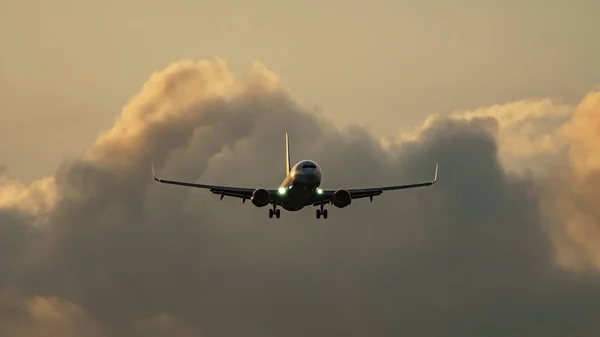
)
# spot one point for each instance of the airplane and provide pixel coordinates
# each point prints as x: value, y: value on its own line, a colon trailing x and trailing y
x: 299, y: 189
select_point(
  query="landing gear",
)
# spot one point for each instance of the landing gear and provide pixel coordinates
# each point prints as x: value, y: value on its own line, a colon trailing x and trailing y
x: 322, y: 212
x: 274, y: 211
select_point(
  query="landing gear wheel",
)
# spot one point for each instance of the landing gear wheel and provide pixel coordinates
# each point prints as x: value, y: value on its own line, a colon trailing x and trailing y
x: 322, y: 212
x: 274, y: 211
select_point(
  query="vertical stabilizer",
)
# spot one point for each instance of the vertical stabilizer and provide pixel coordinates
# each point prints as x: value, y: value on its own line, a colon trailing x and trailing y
x: 288, y: 164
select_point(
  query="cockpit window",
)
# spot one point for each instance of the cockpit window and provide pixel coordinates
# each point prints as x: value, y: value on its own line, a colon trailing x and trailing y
x: 309, y: 166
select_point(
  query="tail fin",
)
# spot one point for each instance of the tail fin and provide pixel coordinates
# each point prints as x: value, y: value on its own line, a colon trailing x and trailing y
x: 288, y: 164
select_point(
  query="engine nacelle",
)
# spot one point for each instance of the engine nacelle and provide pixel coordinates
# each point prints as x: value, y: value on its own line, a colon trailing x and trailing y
x: 341, y: 198
x: 260, y: 197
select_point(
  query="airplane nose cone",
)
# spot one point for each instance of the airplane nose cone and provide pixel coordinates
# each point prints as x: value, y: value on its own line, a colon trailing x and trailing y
x: 306, y: 179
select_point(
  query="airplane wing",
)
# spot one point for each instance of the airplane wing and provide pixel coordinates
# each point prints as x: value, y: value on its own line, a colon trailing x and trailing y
x: 236, y: 192
x: 371, y: 192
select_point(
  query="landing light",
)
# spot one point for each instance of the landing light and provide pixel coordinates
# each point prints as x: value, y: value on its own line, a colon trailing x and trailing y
x: 319, y: 191
x: 281, y: 190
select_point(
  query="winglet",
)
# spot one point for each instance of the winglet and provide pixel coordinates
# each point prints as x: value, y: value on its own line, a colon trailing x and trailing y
x: 154, y: 174
x: 435, y: 178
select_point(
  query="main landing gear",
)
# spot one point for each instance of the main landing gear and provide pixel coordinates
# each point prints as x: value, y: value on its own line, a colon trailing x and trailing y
x: 322, y: 212
x: 274, y: 211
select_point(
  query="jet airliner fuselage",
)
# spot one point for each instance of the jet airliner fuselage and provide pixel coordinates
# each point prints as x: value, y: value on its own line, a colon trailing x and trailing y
x: 301, y: 186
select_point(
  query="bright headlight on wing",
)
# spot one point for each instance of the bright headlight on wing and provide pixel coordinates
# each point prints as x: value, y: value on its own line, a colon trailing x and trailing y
x: 319, y: 191
x: 281, y: 190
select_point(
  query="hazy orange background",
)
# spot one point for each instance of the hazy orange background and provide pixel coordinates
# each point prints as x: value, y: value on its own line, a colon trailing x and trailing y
x: 386, y: 65
x: 501, y: 94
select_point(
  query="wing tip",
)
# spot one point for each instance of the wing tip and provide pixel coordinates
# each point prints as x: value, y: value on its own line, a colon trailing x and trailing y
x: 154, y: 173
x: 435, y: 177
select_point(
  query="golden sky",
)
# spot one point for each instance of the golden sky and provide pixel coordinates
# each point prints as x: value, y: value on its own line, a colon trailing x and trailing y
x: 385, y: 65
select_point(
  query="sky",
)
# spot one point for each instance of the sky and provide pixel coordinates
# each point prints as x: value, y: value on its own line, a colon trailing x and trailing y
x: 385, y: 65
x: 502, y: 95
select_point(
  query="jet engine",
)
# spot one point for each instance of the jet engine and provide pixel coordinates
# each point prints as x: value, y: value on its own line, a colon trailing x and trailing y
x: 341, y: 198
x: 260, y: 197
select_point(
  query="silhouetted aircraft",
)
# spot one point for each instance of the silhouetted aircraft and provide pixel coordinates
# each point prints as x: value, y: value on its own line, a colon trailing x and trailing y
x: 300, y: 188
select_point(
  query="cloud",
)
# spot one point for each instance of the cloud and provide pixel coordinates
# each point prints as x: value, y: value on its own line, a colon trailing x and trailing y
x: 123, y: 255
x: 527, y: 132
x: 576, y: 219
x: 558, y: 143
x: 39, y: 197
x: 584, y: 133
x: 43, y: 316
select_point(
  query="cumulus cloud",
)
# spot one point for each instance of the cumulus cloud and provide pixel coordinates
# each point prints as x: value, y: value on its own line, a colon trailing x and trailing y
x: 120, y: 255
x: 39, y: 197
x: 43, y: 316
x: 559, y: 143
x: 526, y: 128
x: 527, y: 132
x: 572, y: 205
x: 584, y: 133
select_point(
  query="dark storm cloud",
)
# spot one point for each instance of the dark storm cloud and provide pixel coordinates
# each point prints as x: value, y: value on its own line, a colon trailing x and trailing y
x: 467, y: 257
x: 14, y: 237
